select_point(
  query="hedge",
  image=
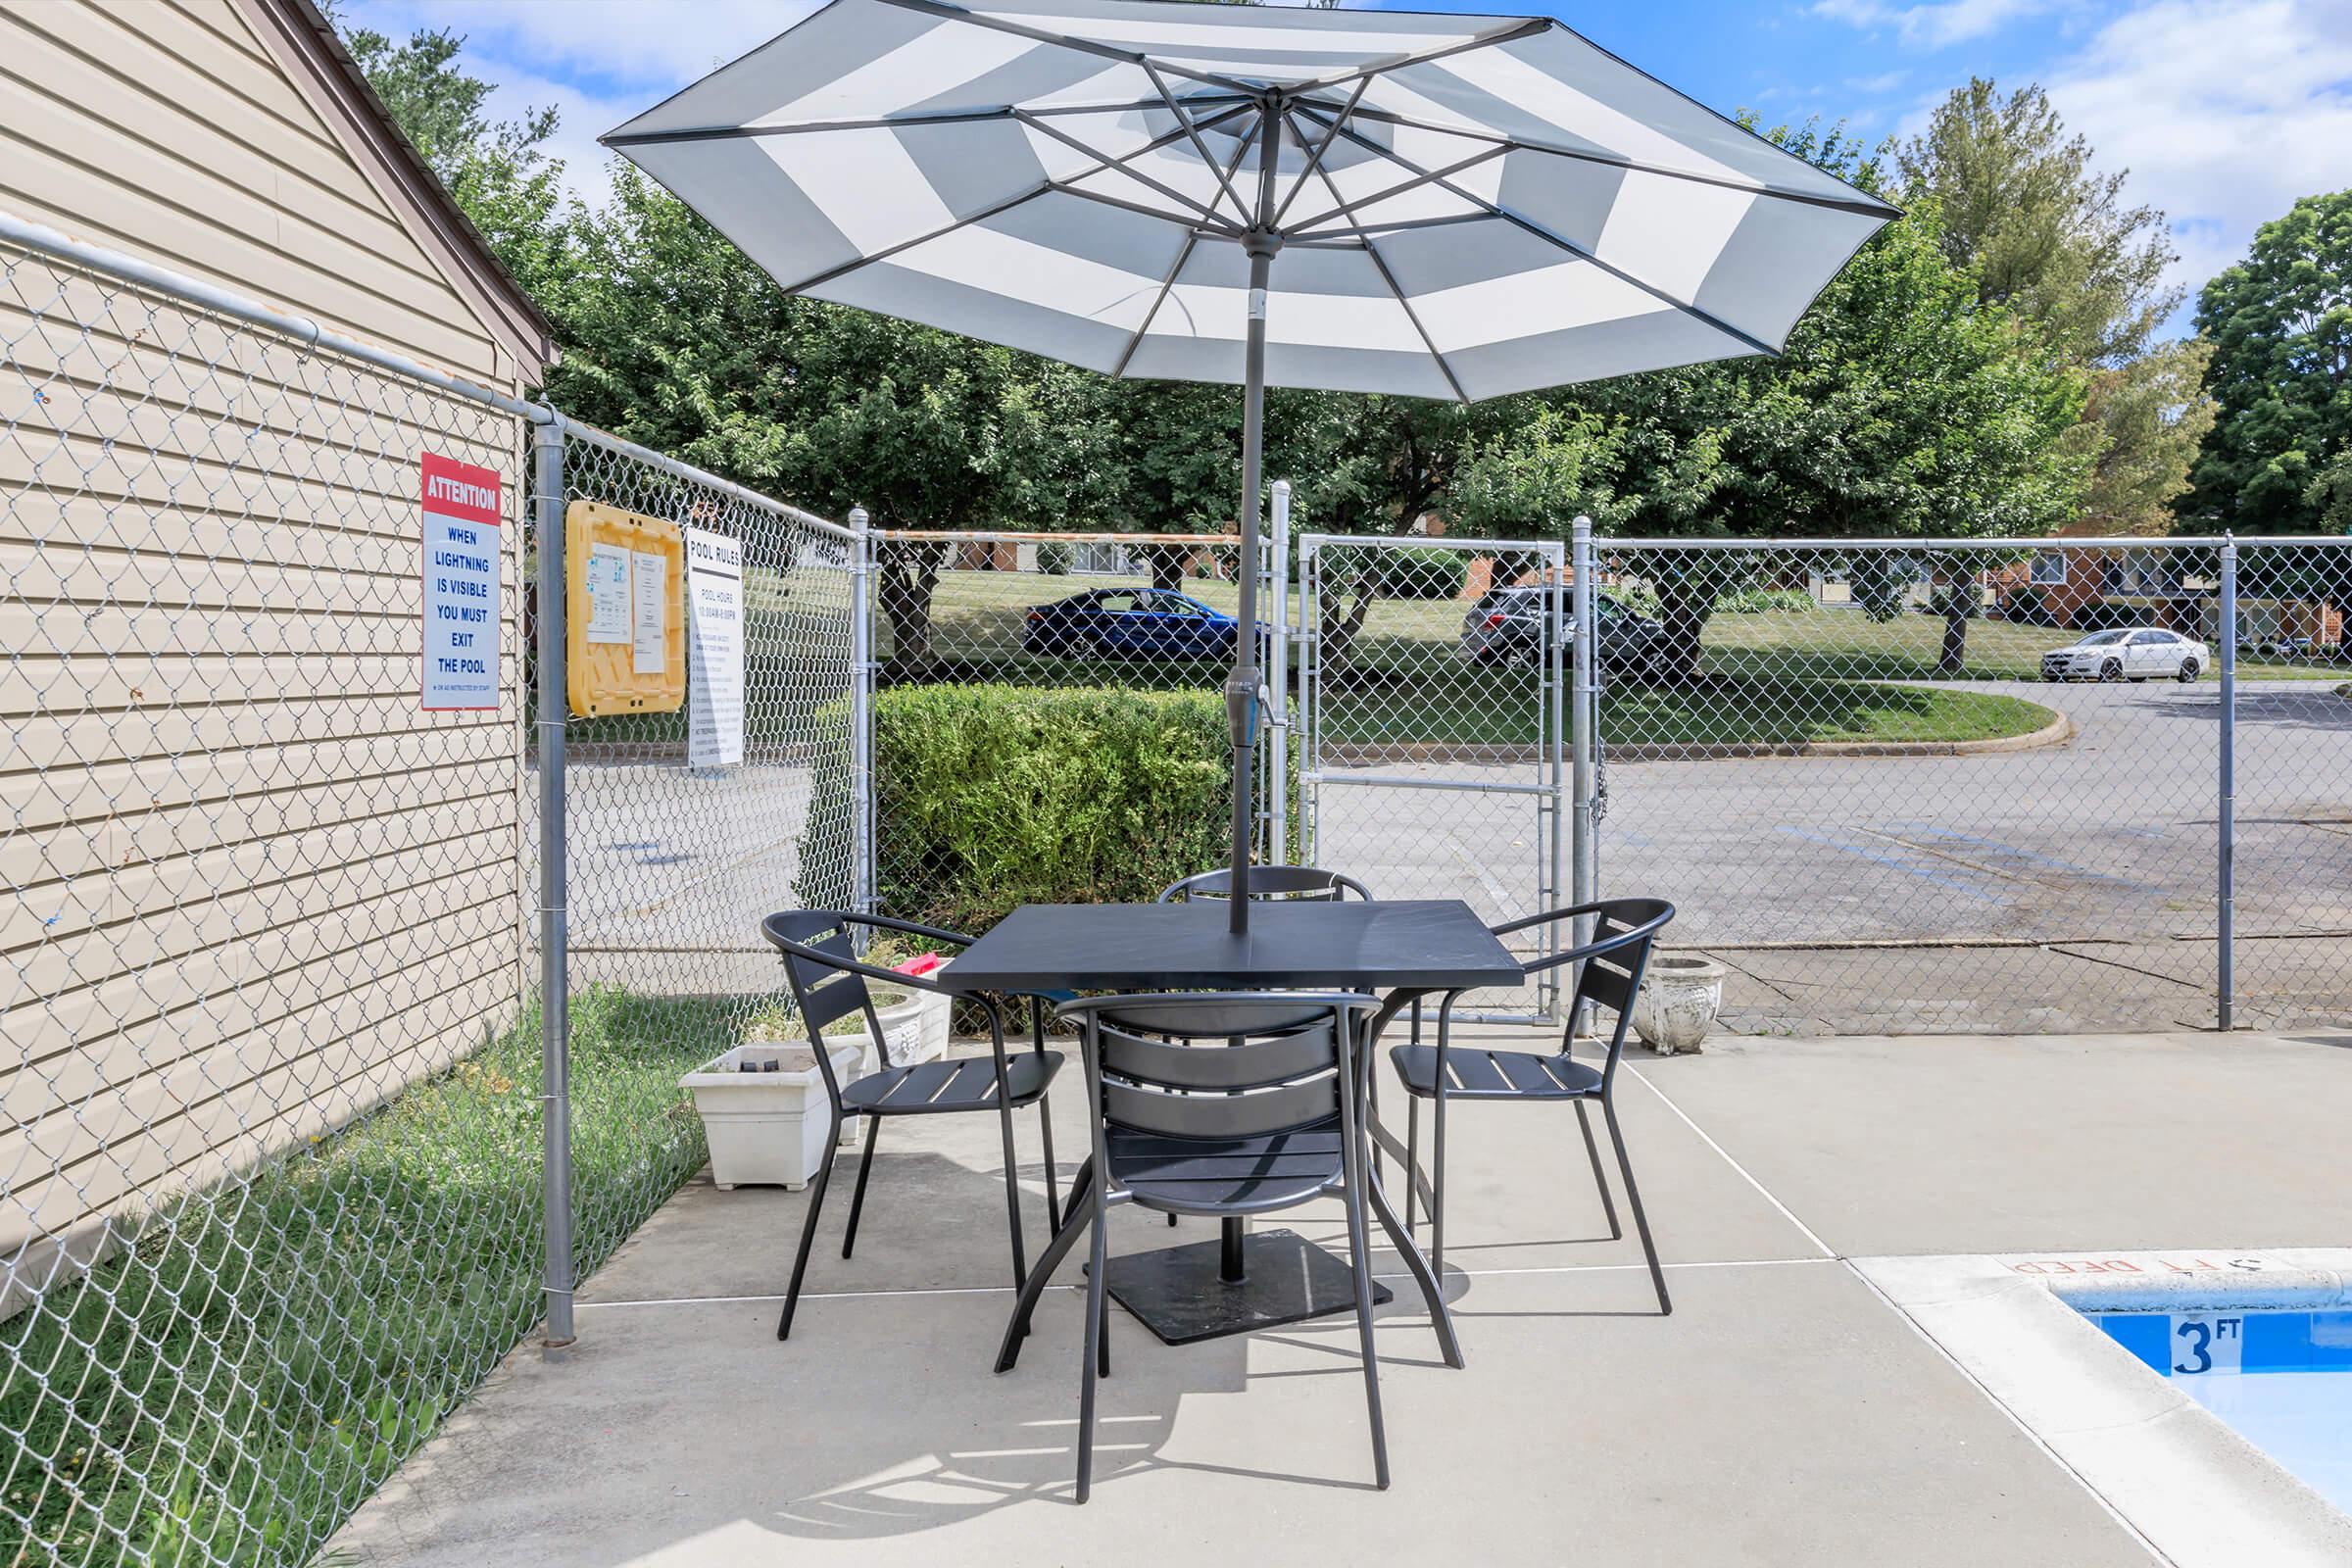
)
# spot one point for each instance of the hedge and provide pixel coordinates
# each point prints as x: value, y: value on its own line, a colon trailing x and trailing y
x: 992, y: 797
x: 1420, y: 571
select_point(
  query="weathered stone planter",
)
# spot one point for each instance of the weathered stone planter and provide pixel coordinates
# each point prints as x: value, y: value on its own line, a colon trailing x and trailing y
x: 1678, y: 1001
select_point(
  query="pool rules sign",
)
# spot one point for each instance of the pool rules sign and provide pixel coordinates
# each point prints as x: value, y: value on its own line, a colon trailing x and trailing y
x: 462, y: 515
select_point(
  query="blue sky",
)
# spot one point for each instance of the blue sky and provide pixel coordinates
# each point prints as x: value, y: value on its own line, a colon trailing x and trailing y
x: 2223, y: 111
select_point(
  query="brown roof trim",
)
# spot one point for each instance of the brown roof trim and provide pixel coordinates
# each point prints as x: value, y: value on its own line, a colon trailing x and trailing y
x: 327, y: 75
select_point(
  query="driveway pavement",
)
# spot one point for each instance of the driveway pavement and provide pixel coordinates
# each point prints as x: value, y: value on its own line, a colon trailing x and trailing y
x: 2066, y: 887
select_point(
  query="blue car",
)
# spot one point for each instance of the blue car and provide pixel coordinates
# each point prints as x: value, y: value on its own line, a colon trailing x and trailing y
x: 1130, y: 624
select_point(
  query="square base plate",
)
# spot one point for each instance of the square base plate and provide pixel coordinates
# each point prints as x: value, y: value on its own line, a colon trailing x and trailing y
x: 1179, y: 1294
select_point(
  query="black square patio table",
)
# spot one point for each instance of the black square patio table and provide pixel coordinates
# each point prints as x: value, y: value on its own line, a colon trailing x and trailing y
x: 1245, y: 1280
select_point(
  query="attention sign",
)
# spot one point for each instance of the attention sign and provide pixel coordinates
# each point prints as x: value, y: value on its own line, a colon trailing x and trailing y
x: 461, y: 512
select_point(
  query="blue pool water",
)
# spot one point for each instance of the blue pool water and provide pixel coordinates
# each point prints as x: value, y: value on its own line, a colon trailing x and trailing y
x: 2282, y: 1380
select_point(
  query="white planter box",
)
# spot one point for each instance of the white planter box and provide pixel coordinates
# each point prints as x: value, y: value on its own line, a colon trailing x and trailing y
x: 768, y: 1127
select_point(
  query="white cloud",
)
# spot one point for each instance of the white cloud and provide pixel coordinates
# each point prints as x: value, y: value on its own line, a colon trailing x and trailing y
x: 1931, y: 25
x: 597, y: 62
x: 1884, y: 83
x: 624, y: 42
x: 2224, y: 112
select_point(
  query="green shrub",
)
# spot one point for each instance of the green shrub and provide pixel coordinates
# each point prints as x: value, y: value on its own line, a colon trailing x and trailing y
x: 992, y: 797
x: 1759, y: 601
x: 2024, y: 606
x: 1420, y: 571
x: 1053, y: 558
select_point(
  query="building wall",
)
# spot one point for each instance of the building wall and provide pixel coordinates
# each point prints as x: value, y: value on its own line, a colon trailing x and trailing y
x: 252, y: 888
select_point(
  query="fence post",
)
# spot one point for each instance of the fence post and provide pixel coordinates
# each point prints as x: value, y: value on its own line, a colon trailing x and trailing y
x: 1584, y: 675
x: 862, y: 870
x: 555, y: 979
x: 2225, y: 818
x: 1276, y: 770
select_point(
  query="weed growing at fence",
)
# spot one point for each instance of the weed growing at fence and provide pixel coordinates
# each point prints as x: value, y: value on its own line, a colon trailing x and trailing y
x: 231, y: 1387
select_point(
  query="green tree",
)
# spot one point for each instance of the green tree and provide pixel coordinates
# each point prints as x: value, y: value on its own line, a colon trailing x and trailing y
x: 1901, y: 408
x: 2057, y: 243
x: 499, y: 171
x: 2280, y: 325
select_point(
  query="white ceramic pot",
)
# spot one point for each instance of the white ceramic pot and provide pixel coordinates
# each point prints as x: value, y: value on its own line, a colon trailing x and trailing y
x: 768, y: 1127
x: 1678, y: 1001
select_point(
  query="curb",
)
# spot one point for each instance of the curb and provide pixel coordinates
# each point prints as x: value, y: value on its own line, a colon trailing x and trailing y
x: 2057, y: 732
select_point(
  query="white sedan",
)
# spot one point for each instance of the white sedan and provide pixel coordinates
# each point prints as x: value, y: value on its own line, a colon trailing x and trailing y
x: 2129, y: 655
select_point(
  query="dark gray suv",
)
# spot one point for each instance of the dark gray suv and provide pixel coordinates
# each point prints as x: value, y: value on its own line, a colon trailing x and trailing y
x: 1506, y: 626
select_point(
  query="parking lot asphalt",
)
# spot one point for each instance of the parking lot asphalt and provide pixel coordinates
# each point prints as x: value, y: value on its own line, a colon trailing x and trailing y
x: 2066, y: 887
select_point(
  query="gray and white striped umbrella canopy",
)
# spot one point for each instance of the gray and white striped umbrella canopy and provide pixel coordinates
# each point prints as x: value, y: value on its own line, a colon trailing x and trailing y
x: 1466, y: 205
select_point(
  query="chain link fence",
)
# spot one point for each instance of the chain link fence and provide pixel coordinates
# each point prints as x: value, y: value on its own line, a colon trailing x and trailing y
x: 1979, y: 786
x: 272, y: 1176
x: 1051, y: 721
x: 1433, y: 756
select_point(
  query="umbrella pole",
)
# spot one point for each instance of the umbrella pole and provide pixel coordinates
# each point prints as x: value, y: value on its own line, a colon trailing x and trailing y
x: 1242, y: 687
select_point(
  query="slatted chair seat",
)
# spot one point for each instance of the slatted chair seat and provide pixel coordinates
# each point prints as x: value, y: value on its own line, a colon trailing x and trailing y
x: 931, y: 1087
x: 1222, y: 1103
x: 829, y: 982
x: 1227, y: 1176
x: 1473, y: 1074
x: 1608, y: 969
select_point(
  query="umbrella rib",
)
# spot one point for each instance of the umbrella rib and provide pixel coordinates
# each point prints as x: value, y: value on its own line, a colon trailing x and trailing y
x: 1519, y: 27
x: 1167, y: 284
x: 1183, y: 254
x: 991, y: 210
x: 1435, y: 176
x: 945, y: 117
x: 953, y: 12
x: 1209, y: 213
x: 1314, y: 161
x: 1860, y: 207
x: 1159, y: 83
x: 1578, y: 250
x: 1389, y: 278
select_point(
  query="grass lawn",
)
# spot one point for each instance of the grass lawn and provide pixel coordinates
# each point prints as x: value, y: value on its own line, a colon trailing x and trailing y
x: 1775, y: 678
x: 1499, y: 708
x: 232, y: 1386
x: 979, y: 616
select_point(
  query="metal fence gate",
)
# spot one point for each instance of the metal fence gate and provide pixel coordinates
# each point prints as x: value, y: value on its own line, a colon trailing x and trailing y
x: 1432, y: 748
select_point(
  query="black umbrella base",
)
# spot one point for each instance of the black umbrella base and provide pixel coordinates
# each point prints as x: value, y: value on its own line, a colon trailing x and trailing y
x: 1182, y: 1296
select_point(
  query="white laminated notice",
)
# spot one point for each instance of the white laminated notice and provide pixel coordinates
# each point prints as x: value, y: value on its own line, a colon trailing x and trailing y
x: 608, y: 594
x: 648, y: 595
x: 713, y: 649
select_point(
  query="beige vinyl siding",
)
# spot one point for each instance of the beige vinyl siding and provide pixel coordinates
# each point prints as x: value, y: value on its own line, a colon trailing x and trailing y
x: 251, y: 888
x: 132, y: 127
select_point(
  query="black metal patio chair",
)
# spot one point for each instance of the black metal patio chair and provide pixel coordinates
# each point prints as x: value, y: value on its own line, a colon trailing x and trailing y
x: 1277, y: 884
x: 1609, y: 972
x: 1307, y: 883
x: 829, y: 983
x: 1265, y: 1112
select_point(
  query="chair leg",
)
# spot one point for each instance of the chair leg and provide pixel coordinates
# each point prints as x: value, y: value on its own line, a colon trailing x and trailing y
x: 1437, y: 1182
x: 1082, y: 1212
x: 1608, y: 1205
x: 1372, y: 1112
x: 1412, y: 1158
x: 865, y: 1168
x: 1093, y: 1351
x: 1013, y: 1191
x: 1431, y: 1292
x: 1359, y: 1259
x: 1633, y: 1195
x: 1045, y: 1109
x: 817, y: 1202
x: 1045, y: 1133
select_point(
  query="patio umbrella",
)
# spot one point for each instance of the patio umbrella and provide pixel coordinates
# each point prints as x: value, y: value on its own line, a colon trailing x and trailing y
x: 1365, y: 201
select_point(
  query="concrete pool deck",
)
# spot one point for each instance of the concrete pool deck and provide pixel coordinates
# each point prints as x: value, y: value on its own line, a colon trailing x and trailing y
x: 1787, y: 1413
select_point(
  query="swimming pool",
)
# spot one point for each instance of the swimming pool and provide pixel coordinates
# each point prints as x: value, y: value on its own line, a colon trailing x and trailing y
x: 2280, y: 1380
